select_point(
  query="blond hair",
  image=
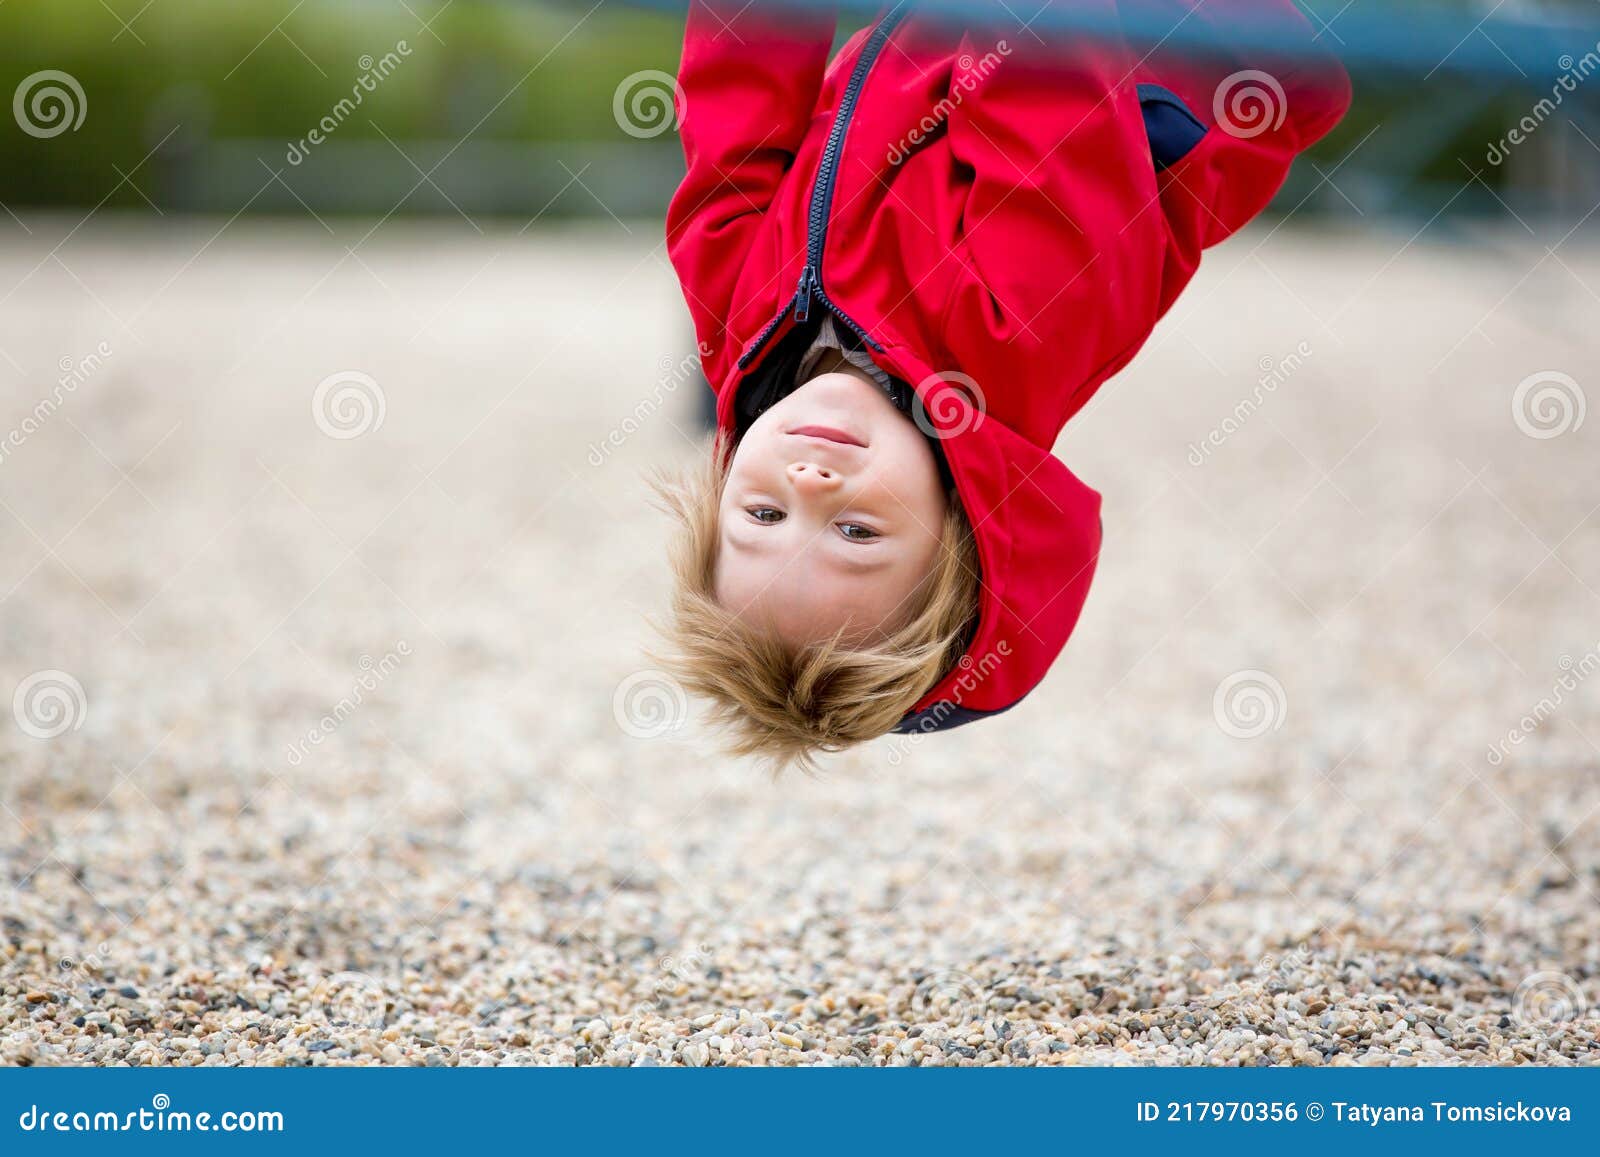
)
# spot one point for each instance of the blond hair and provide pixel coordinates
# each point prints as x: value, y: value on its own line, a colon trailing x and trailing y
x: 788, y: 703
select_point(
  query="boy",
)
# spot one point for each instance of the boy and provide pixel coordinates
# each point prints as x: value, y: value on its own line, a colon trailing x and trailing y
x: 910, y: 266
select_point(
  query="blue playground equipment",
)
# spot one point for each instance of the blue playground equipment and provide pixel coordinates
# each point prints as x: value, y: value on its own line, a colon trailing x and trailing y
x: 1415, y: 38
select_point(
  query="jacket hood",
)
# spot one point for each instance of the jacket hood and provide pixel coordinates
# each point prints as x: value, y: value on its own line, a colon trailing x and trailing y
x: 1037, y: 528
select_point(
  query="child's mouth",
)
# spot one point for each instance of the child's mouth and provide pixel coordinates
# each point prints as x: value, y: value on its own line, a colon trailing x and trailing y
x: 828, y: 434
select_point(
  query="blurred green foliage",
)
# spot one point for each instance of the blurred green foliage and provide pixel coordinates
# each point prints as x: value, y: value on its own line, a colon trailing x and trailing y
x: 267, y: 69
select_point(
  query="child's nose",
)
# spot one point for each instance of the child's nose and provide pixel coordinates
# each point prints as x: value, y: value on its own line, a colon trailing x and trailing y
x: 810, y: 476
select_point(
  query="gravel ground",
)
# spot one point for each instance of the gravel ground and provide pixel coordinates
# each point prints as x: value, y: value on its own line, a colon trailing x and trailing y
x: 344, y: 749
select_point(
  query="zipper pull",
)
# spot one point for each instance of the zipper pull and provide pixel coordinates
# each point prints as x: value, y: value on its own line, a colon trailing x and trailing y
x: 802, y: 296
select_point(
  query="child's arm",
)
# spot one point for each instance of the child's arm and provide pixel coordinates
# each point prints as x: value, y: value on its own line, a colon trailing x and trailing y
x: 1261, y: 113
x: 1072, y: 243
x: 1057, y: 261
x: 750, y: 80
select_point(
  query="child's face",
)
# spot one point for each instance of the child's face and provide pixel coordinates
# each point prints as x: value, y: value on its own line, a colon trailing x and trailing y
x: 832, y: 514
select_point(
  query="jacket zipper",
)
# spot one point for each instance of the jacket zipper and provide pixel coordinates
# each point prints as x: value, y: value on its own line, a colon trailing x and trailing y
x: 810, y: 288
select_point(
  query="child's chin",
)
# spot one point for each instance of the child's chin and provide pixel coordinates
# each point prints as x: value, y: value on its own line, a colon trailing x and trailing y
x: 837, y: 384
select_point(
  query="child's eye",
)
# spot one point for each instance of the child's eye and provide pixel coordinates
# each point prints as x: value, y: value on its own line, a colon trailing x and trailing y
x: 855, y: 532
x: 766, y: 515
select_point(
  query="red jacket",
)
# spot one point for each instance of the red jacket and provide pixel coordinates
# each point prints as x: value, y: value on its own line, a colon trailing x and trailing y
x: 1002, y: 220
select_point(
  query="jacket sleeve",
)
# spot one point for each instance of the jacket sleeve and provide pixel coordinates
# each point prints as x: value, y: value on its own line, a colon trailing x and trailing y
x: 1260, y: 110
x: 1076, y: 236
x: 749, y: 79
x: 1057, y: 259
